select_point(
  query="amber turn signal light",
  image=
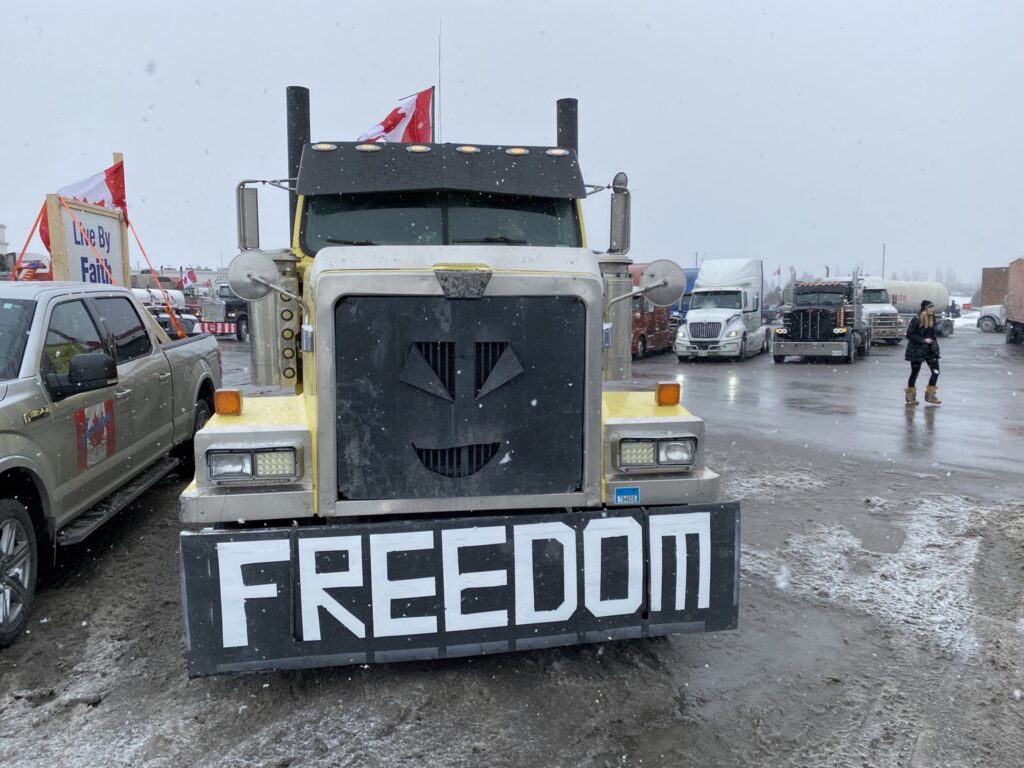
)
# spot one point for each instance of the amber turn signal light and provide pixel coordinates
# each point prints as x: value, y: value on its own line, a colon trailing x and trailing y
x: 227, y: 402
x: 667, y: 392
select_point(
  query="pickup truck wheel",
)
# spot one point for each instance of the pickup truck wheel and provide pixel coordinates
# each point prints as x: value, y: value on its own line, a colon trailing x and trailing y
x: 184, y: 451
x: 19, y: 562
x: 242, y: 329
x: 987, y: 324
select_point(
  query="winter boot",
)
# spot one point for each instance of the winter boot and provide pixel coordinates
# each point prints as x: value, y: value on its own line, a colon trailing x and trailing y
x: 930, y: 397
x: 911, y: 396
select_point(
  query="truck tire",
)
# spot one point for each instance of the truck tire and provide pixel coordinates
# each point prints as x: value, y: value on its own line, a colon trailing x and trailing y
x: 641, y: 348
x: 19, y: 564
x: 866, y: 349
x: 892, y: 342
x: 242, y: 328
x: 946, y: 328
x: 851, y: 352
x: 764, y: 344
x: 742, y: 355
x: 779, y: 358
x: 987, y: 324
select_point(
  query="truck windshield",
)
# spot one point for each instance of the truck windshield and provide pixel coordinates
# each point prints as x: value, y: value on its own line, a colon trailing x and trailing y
x: 716, y: 300
x: 439, y: 218
x: 15, y: 319
x: 819, y: 298
x: 876, y: 296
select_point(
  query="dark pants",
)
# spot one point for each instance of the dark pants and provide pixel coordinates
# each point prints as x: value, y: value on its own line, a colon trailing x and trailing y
x: 915, y: 368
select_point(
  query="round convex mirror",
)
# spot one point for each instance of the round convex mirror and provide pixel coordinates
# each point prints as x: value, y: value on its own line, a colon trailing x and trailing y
x: 669, y: 273
x: 255, y: 263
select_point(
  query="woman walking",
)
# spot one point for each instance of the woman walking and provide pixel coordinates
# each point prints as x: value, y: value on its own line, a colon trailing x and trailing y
x: 922, y: 347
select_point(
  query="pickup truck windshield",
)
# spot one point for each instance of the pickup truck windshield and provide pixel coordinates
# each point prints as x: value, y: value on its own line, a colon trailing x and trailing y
x: 876, y: 296
x: 439, y: 218
x: 716, y: 300
x: 15, y: 320
x: 819, y: 298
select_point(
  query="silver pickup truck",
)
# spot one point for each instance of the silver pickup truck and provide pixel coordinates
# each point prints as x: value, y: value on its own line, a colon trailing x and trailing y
x: 95, y: 401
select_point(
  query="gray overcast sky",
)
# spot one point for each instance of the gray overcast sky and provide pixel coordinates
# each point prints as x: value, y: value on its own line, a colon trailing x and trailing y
x: 804, y: 133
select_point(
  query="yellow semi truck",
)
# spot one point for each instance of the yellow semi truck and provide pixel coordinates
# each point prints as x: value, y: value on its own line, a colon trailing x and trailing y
x: 444, y: 472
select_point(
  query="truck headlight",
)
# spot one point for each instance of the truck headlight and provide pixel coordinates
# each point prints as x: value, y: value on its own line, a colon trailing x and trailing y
x: 275, y: 464
x: 229, y: 465
x: 636, y: 453
x: 838, y: 331
x: 781, y: 331
x: 681, y: 333
x: 731, y: 334
x: 258, y: 464
x: 675, y: 452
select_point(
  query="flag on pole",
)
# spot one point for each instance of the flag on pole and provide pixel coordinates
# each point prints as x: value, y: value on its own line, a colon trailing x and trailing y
x: 411, y: 121
x: 777, y: 272
x: 104, y: 189
x: 189, y: 279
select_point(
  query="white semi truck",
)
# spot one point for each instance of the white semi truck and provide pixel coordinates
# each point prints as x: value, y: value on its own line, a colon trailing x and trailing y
x: 882, y: 318
x: 724, y: 319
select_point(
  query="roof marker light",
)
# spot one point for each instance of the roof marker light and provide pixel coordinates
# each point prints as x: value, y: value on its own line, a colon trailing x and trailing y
x: 417, y: 149
x: 517, y: 151
x: 467, y: 149
x: 556, y: 152
x: 324, y: 147
x: 368, y: 147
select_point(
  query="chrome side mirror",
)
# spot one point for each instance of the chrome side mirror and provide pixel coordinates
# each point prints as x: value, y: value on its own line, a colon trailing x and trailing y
x: 252, y: 274
x: 618, y: 241
x: 663, y: 282
x: 248, y: 218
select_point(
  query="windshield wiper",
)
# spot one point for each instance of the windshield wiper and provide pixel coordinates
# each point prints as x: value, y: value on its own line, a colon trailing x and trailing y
x: 343, y: 241
x: 492, y: 239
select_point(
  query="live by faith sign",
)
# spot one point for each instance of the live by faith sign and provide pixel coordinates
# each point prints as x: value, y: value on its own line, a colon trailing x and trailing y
x: 91, y: 245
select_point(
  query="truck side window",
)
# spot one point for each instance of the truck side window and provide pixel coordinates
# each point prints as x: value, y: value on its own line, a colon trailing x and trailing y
x: 130, y: 337
x: 71, y: 332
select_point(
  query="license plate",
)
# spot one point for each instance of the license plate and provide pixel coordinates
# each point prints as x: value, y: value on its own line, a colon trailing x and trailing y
x: 702, y: 353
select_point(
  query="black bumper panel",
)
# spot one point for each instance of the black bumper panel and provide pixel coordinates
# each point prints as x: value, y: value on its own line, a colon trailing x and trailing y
x: 288, y: 598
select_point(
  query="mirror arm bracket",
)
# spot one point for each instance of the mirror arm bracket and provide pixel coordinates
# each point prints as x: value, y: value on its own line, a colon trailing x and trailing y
x: 306, y: 309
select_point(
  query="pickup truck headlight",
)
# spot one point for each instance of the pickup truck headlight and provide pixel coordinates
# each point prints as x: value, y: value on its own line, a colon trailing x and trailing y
x: 260, y: 464
x: 731, y: 334
x: 639, y: 453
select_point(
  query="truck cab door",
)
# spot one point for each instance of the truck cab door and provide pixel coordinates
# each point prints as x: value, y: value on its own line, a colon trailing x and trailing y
x: 144, y: 382
x: 88, y: 427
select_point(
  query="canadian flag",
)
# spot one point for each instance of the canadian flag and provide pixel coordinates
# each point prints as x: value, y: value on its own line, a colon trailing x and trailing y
x: 105, y: 189
x: 777, y: 272
x: 189, y: 278
x: 410, y: 121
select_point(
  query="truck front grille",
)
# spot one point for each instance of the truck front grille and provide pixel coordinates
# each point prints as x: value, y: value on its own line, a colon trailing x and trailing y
x: 448, y: 398
x: 704, y: 330
x: 812, y: 324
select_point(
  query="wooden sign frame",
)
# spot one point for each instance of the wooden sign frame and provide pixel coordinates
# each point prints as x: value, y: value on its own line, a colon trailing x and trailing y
x: 59, y: 258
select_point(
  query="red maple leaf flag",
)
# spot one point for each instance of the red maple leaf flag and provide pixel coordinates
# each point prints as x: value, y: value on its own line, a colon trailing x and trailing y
x: 104, y: 189
x: 410, y: 121
x: 189, y: 279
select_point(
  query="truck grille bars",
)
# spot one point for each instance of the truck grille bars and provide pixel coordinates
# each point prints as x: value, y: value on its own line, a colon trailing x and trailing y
x: 704, y: 330
x: 812, y: 325
x: 463, y: 461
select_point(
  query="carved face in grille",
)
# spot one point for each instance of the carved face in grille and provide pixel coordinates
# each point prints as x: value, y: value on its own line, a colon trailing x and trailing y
x: 430, y: 367
x: 439, y: 397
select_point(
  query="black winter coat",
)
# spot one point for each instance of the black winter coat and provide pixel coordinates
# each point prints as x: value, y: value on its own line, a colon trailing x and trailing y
x: 917, y: 350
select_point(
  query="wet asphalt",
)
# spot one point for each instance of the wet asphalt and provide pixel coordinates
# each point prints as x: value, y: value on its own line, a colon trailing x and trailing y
x: 858, y: 410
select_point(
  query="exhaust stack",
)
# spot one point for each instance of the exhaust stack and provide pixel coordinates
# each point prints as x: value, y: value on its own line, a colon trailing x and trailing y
x: 298, y: 136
